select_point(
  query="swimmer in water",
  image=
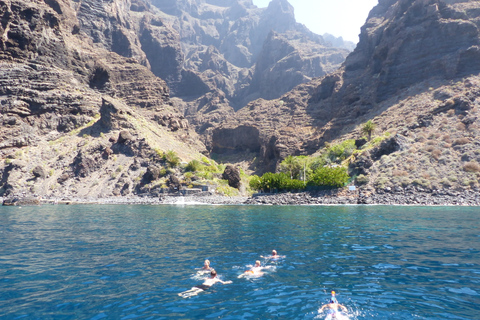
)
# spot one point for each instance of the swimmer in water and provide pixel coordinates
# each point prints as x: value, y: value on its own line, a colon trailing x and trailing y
x: 205, y: 269
x: 332, y: 307
x: 256, y: 270
x: 274, y: 256
x: 206, y: 265
x: 204, y: 286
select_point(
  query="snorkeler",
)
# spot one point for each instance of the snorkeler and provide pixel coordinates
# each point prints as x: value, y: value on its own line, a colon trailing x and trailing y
x: 204, y: 286
x: 332, y: 307
x: 256, y: 270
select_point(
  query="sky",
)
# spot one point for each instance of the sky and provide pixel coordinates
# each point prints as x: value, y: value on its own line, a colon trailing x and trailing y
x: 338, y: 17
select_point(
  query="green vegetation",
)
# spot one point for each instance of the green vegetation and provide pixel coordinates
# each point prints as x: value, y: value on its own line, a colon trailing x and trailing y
x: 291, y: 165
x: 171, y: 158
x: 322, y: 177
x: 329, y: 177
x: 270, y: 182
x: 194, y: 166
x: 368, y: 128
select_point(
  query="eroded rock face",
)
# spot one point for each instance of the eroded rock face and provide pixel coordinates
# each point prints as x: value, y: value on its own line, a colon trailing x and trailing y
x: 235, y: 50
x: 243, y: 138
x: 73, y: 75
x: 406, y: 48
x: 405, y: 42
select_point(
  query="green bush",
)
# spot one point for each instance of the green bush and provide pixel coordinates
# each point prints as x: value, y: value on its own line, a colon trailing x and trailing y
x: 271, y: 181
x: 171, y: 158
x: 329, y: 177
x: 294, y: 184
x: 334, y: 154
x: 255, y: 182
x: 275, y: 181
x: 194, y: 166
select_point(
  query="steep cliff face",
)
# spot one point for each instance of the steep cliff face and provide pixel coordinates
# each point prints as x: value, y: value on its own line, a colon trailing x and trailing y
x: 414, y: 72
x: 407, y: 42
x: 232, y: 46
x: 77, y: 99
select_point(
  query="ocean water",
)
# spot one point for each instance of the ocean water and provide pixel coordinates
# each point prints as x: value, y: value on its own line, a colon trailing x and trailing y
x: 130, y: 262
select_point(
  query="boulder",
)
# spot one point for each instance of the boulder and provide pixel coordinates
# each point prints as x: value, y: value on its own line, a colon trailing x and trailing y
x: 124, y: 136
x: 173, y: 183
x: 232, y: 175
x: 39, y: 172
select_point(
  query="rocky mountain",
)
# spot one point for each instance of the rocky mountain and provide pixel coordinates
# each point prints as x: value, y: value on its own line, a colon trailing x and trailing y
x: 415, y: 73
x: 81, y: 114
x: 85, y: 85
x: 235, y: 52
x: 93, y: 94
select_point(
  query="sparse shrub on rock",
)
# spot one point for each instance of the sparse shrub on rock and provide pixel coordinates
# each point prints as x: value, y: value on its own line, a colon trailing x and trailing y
x: 361, y: 180
x: 471, y: 166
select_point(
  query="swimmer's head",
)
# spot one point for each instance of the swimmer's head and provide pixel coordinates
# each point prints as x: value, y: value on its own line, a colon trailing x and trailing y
x: 333, y: 299
x: 213, y: 273
x: 257, y: 263
x: 207, y: 263
x: 274, y: 252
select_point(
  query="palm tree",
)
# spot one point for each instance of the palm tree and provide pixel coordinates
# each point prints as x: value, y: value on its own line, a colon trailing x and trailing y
x: 368, y: 128
x: 291, y: 165
x: 172, y: 158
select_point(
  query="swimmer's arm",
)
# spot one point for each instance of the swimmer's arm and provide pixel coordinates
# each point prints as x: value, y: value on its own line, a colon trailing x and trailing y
x: 343, y: 308
x: 224, y: 282
x: 323, y: 307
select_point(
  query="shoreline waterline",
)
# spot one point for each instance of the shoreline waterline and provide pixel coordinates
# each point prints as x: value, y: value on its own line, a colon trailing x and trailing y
x: 319, y: 198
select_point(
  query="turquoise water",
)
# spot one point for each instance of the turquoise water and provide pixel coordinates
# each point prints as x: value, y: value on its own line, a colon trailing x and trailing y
x: 130, y: 262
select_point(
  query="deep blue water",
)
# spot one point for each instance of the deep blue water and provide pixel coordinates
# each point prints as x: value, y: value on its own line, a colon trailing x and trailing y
x: 130, y: 262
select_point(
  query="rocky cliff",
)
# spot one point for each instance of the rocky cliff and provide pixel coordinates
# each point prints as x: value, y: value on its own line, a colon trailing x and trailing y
x: 414, y: 73
x: 86, y: 86
x: 235, y: 52
x: 81, y: 114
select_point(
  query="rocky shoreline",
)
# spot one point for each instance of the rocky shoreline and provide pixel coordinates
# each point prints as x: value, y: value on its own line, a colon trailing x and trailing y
x: 324, y: 197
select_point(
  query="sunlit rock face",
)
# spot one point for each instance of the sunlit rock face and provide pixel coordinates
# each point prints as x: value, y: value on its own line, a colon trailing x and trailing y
x: 230, y: 47
x: 73, y: 75
x: 413, y: 56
